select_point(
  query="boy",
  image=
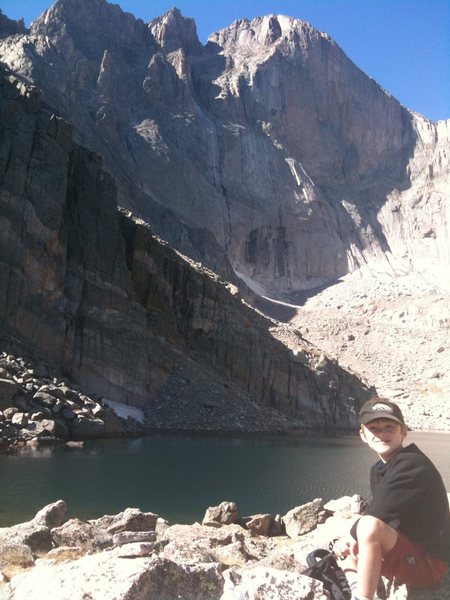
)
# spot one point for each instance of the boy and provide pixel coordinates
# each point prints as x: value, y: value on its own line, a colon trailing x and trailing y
x: 405, y: 532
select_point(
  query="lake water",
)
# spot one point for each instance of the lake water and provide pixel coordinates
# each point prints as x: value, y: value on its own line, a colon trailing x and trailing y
x: 179, y: 475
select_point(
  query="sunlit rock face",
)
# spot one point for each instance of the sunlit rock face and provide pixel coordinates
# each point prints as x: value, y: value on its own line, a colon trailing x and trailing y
x: 266, y: 149
x: 120, y: 312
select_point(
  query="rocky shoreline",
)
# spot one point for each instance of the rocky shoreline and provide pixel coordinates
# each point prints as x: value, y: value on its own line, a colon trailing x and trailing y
x: 39, y: 408
x: 137, y: 555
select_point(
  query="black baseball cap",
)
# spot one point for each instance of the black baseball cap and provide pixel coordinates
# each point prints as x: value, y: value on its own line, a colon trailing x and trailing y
x: 380, y: 408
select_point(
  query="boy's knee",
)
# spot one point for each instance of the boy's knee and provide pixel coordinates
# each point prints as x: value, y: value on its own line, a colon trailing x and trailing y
x: 369, y: 526
x: 372, y: 529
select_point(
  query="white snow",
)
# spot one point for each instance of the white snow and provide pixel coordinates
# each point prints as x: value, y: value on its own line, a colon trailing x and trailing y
x: 124, y: 410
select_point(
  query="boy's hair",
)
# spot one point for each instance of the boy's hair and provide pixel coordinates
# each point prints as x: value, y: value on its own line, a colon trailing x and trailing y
x: 380, y: 408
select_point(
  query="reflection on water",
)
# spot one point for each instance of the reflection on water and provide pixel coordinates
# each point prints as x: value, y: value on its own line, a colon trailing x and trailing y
x: 179, y: 475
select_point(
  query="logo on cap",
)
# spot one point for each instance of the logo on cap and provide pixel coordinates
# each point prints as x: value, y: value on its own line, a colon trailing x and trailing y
x: 380, y: 406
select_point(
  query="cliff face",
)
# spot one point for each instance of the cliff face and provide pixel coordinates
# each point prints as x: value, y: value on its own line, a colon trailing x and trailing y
x: 266, y: 149
x: 124, y: 314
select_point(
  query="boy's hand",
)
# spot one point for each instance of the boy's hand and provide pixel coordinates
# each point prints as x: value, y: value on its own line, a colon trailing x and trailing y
x: 342, y: 547
x: 353, y: 548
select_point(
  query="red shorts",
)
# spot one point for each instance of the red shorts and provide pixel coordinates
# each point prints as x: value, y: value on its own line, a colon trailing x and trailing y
x: 410, y: 563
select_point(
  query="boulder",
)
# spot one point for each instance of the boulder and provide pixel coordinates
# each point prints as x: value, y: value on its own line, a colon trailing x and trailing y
x: 260, y: 524
x: 31, y: 534
x: 52, y: 515
x: 18, y: 555
x: 20, y: 419
x: 228, y: 545
x: 82, y: 535
x: 9, y: 412
x: 83, y: 427
x: 131, y: 519
x: 305, y: 518
x: 73, y: 444
x: 43, y: 398
x: 53, y: 428
x: 224, y: 514
x: 104, y: 577
x: 347, y: 506
x: 265, y: 583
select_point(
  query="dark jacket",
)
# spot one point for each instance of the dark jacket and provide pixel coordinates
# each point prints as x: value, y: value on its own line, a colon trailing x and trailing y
x: 408, y: 494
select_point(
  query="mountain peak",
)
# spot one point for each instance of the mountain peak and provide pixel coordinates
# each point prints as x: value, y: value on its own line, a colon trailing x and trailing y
x: 266, y: 31
x: 92, y: 25
x: 173, y: 31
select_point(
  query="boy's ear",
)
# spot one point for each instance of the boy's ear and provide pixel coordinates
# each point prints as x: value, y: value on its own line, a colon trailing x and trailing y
x: 362, y: 434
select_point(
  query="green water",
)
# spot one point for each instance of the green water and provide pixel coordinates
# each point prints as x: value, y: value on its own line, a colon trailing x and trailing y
x: 178, y: 475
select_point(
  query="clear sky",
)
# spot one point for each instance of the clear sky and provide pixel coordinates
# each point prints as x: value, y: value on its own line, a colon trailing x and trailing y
x: 403, y: 44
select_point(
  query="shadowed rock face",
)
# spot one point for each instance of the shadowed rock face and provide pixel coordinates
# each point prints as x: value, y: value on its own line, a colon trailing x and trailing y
x: 125, y: 315
x: 266, y: 149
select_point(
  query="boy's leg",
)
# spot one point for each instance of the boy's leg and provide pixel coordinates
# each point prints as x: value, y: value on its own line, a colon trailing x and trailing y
x: 375, y: 540
x: 349, y: 565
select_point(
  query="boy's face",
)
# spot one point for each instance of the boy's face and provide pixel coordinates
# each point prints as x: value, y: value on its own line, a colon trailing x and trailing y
x: 385, y: 436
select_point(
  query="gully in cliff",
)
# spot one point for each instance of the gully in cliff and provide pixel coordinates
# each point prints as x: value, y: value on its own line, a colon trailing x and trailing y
x: 405, y: 532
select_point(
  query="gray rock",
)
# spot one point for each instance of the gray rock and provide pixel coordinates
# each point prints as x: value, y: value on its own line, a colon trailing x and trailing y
x: 73, y: 444
x: 16, y: 554
x: 191, y: 544
x: 52, y: 515
x: 131, y: 519
x: 129, y: 537
x: 137, y: 579
x: 84, y: 427
x: 82, y: 535
x: 8, y: 413
x: 20, y: 419
x: 43, y: 398
x: 347, y: 506
x: 305, y: 518
x: 260, y: 524
x: 265, y: 583
x: 37, y: 537
x: 224, y: 514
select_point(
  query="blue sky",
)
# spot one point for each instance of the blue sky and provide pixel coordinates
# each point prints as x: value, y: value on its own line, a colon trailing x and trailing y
x: 403, y: 44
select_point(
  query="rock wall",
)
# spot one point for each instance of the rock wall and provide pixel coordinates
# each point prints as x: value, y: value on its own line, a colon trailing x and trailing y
x: 266, y: 149
x: 125, y: 315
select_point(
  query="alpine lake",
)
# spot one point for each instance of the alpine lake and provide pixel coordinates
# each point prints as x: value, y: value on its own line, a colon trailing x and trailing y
x: 178, y: 475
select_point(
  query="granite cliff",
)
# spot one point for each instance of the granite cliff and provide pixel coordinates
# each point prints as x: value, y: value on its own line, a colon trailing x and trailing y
x: 267, y: 156
x: 290, y: 162
x: 123, y: 314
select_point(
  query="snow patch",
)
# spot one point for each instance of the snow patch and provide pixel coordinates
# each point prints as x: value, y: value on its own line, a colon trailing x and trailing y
x: 124, y: 410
